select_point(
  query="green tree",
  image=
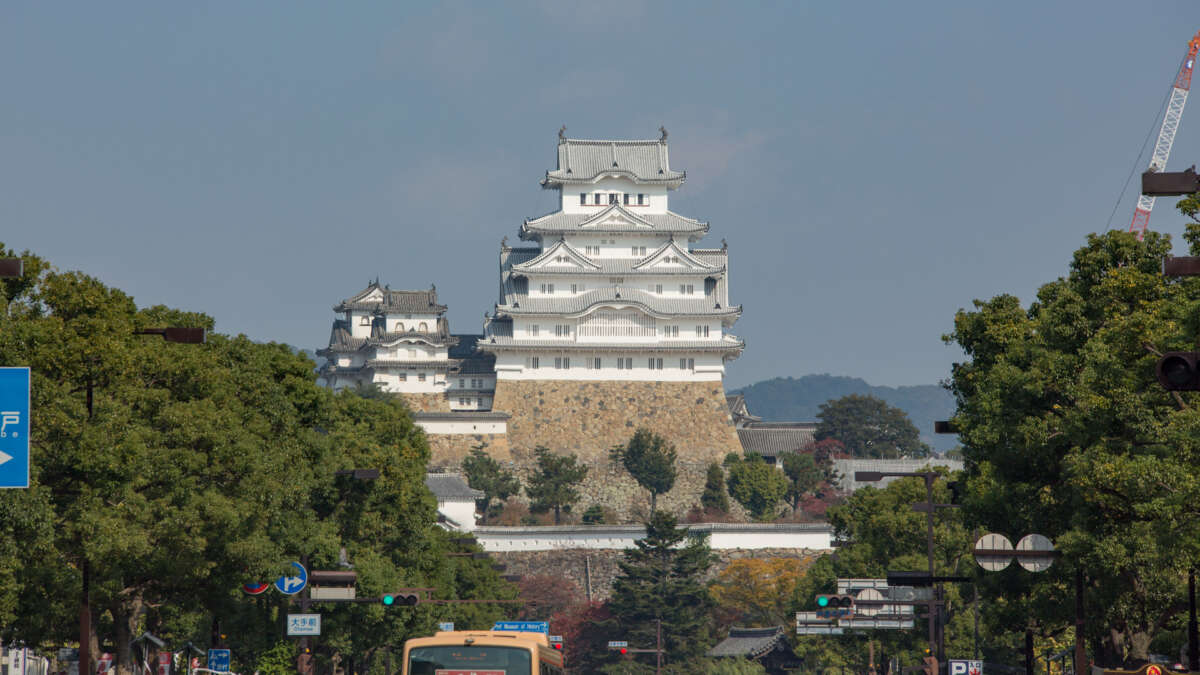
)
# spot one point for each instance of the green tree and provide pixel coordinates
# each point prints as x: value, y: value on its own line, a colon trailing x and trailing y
x: 650, y: 459
x: 803, y: 476
x: 757, y: 486
x: 662, y: 580
x: 869, y: 427
x: 1066, y: 433
x: 485, y: 473
x: 714, y: 496
x: 552, y: 485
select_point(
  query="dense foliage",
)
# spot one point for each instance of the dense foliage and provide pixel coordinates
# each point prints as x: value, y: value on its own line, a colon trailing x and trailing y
x: 757, y: 486
x: 650, y: 459
x: 486, y: 475
x: 869, y: 428
x: 553, y: 484
x: 198, y: 468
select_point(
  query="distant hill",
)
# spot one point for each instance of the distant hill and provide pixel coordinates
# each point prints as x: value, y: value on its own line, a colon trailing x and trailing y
x: 799, y: 399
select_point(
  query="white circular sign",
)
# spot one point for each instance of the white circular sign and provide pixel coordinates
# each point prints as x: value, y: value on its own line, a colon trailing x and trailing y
x: 994, y: 542
x: 1034, y: 542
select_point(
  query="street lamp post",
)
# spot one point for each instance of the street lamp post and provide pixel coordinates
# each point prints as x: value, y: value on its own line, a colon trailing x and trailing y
x: 928, y: 506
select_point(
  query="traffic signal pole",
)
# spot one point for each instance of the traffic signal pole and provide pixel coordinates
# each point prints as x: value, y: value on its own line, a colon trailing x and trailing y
x: 933, y: 608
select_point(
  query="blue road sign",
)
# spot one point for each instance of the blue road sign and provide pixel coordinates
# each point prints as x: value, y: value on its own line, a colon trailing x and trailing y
x: 218, y: 660
x: 291, y: 585
x: 14, y: 427
x: 523, y: 626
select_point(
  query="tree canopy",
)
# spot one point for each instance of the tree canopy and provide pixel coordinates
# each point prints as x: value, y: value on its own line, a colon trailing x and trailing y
x: 869, y: 428
x: 1066, y: 433
x: 553, y: 483
x: 650, y: 459
x: 484, y: 473
x: 757, y: 486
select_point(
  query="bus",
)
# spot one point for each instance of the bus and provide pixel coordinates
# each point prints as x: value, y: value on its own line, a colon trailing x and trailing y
x: 482, y: 652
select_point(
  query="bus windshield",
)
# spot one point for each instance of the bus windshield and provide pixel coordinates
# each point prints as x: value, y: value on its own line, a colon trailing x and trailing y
x: 464, y: 660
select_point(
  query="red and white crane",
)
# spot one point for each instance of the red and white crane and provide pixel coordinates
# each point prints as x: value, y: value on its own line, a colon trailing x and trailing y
x: 1166, y: 133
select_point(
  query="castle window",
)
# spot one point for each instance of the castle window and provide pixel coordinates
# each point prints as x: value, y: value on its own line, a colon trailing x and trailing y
x: 400, y: 326
x: 624, y: 363
x: 365, y: 321
x: 478, y: 401
x: 687, y: 364
x: 547, y: 289
x: 686, y: 289
x: 424, y: 327
x: 626, y: 199
x: 593, y: 362
x: 701, y: 331
x: 655, y: 364
x: 562, y: 331
x: 462, y: 383
x: 533, y: 331
x: 583, y: 199
x: 403, y: 377
x: 597, y: 199
x: 420, y: 377
x: 670, y: 331
x: 532, y: 362
x: 612, y: 198
x: 562, y: 362
x: 641, y: 199
x: 658, y: 288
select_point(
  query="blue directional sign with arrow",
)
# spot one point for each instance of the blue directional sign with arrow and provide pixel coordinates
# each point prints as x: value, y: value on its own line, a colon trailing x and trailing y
x: 14, y: 427
x: 291, y: 585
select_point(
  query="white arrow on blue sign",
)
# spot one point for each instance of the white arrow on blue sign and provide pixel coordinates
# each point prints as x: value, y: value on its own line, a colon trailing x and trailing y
x: 218, y: 660
x: 14, y: 427
x: 291, y: 585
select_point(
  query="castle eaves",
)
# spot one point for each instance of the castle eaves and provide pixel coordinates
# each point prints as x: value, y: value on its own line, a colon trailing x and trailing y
x: 727, y: 344
x: 620, y: 219
x: 587, y: 161
x: 616, y: 295
x: 378, y: 298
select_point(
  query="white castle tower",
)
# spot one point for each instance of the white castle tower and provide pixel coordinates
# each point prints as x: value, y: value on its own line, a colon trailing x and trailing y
x: 613, y: 289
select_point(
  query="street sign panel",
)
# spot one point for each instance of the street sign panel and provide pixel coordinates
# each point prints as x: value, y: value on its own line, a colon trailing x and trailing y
x: 14, y: 427
x: 218, y: 660
x: 965, y: 667
x: 303, y: 624
x: 617, y: 644
x: 164, y: 663
x: 291, y: 585
x: 446, y: 626
x: 523, y: 626
x: 255, y: 589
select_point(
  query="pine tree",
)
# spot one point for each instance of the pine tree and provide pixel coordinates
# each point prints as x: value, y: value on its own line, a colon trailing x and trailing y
x: 650, y: 459
x: 485, y: 473
x: 714, y: 496
x: 662, y: 581
x: 552, y: 485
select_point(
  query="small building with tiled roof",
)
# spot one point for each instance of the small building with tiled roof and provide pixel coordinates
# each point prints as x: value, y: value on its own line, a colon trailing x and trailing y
x: 766, y: 646
x: 455, y: 498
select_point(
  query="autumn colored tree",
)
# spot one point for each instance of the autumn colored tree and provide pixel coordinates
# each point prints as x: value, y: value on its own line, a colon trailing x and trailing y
x: 758, y: 591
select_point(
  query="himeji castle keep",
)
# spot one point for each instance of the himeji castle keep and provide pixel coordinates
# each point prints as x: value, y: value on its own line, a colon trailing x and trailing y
x: 609, y: 318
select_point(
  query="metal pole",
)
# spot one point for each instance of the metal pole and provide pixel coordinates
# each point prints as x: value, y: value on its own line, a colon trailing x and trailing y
x: 658, y: 646
x: 975, y: 611
x: 1193, y: 634
x: 85, y: 605
x: 1080, y: 651
x: 929, y: 476
x: 1029, y: 651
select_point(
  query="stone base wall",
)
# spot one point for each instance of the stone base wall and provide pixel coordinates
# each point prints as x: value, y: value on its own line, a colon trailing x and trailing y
x: 426, y: 402
x: 598, y: 568
x: 448, y: 450
x: 588, y: 418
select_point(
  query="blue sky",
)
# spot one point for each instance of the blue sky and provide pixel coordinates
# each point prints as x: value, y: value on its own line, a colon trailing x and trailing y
x: 874, y: 166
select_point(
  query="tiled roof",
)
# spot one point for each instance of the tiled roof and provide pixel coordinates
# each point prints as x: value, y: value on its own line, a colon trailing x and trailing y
x: 726, y: 344
x: 341, y: 342
x: 650, y: 223
x: 654, y: 304
x: 481, y: 364
x: 748, y: 642
x: 451, y: 487
x: 583, y: 161
x: 404, y: 302
x: 846, y: 468
x: 772, y: 441
x: 706, y: 263
x: 398, y: 363
x: 462, y: 416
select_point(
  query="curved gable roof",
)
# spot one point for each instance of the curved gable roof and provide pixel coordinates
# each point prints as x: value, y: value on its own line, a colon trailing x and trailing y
x: 587, y: 161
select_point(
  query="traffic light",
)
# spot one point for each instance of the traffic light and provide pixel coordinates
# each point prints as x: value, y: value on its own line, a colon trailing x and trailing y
x: 401, y: 599
x: 834, y: 606
x: 1179, y: 371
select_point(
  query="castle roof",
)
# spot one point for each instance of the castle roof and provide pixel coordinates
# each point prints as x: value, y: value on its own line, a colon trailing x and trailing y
x: 653, y: 304
x: 613, y: 218
x: 381, y: 298
x: 587, y: 161
x: 341, y: 341
x: 728, y: 343
x: 451, y: 487
x: 750, y: 643
x: 772, y: 440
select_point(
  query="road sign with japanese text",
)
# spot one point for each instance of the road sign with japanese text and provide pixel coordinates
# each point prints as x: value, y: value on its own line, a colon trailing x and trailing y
x: 14, y: 427
x: 303, y: 624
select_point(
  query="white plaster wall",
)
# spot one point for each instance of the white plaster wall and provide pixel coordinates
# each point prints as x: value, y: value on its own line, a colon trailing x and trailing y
x: 721, y: 537
x: 407, y: 322
x: 451, y: 427
x: 511, y: 366
x: 523, y: 330
x: 390, y: 381
x: 461, y: 512
x: 657, y: 196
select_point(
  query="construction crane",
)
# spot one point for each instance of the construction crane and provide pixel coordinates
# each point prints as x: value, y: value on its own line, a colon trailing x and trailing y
x: 1166, y: 134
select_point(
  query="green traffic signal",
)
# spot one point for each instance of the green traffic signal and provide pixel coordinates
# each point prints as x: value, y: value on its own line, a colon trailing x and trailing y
x: 389, y: 599
x: 822, y: 601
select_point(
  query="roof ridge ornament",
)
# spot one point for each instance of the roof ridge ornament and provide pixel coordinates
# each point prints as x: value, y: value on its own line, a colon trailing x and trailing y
x: 663, y: 129
x: 562, y: 133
